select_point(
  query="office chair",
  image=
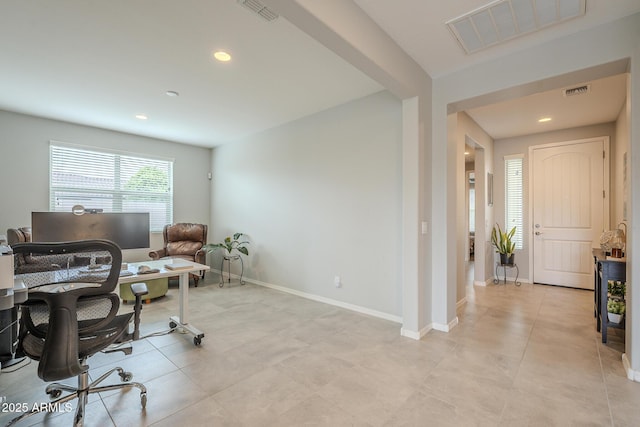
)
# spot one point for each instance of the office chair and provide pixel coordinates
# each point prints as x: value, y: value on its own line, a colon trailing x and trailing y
x: 72, y: 313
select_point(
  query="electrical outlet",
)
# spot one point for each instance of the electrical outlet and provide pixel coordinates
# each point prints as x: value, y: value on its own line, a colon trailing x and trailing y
x: 337, y: 282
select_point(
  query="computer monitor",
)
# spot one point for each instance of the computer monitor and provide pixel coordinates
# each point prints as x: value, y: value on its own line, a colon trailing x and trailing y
x: 127, y: 230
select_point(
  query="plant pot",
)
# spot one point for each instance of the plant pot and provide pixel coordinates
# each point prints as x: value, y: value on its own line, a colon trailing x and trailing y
x: 615, y: 318
x: 507, y: 260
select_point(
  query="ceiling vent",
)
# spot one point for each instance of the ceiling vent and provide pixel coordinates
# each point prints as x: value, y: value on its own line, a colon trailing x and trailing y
x: 258, y: 8
x: 503, y: 20
x: 580, y: 90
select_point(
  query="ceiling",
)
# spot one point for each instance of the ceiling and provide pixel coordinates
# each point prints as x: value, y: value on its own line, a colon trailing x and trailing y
x: 101, y: 63
x: 515, y: 117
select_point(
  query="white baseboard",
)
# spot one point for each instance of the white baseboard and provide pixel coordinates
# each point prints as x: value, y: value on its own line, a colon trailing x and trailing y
x: 479, y: 283
x: 341, y: 304
x: 462, y: 302
x: 445, y: 328
x: 631, y: 374
x: 415, y: 335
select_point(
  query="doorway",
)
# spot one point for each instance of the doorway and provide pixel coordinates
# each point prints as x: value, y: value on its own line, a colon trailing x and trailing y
x: 570, y: 205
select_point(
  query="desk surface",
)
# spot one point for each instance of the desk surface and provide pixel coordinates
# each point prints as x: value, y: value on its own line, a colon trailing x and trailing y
x: 163, y: 271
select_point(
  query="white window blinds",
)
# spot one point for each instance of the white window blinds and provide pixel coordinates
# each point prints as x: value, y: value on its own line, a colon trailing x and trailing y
x: 114, y: 182
x: 513, y: 196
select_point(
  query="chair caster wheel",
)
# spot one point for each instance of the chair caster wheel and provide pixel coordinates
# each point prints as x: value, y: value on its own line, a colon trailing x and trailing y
x: 126, y: 376
x: 54, y: 393
x: 197, y: 340
x: 221, y: 285
x: 143, y: 400
x: 173, y: 325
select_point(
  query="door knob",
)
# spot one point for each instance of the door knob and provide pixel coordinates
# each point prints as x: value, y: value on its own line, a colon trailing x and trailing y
x: 538, y: 233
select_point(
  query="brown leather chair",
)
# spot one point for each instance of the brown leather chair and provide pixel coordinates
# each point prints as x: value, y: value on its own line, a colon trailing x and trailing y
x: 23, y: 263
x: 184, y: 240
x: 18, y: 235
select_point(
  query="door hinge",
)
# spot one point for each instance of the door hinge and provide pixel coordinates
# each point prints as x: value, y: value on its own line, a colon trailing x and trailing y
x: 603, y: 195
x: 604, y: 155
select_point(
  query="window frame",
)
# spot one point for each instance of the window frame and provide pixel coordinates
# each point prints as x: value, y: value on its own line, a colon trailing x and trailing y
x: 114, y: 194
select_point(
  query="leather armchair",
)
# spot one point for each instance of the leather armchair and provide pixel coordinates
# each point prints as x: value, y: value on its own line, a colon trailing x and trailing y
x: 25, y: 263
x: 184, y: 240
x: 18, y: 235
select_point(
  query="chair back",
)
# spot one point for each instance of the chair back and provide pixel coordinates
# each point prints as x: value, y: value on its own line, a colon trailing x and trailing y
x: 19, y: 235
x: 184, y: 238
x: 70, y: 299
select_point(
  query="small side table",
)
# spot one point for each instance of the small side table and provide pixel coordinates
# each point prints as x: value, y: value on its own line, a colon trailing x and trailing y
x: 229, y: 259
x: 496, y: 280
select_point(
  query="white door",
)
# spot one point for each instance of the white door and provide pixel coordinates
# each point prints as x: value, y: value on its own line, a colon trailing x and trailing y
x: 568, y: 211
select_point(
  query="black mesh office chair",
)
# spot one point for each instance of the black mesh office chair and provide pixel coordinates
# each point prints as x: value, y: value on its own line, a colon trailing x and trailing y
x: 72, y: 313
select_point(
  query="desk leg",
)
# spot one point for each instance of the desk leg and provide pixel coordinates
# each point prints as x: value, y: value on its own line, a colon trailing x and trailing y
x: 182, y: 321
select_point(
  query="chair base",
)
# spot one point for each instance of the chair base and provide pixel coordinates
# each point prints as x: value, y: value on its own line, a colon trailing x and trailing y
x: 55, y: 390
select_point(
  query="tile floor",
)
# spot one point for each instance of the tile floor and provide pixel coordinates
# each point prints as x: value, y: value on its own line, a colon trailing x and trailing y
x: 521, y: 356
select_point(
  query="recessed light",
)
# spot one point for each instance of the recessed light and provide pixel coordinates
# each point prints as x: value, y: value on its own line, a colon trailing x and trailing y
x: 172, y: 93
x: 222, y: 56
x: 544, y: 119
x: 466, y: 153
x: 141, y: 116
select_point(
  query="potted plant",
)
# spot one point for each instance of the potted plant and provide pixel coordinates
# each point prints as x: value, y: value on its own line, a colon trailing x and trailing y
x: 229, y: 245
x: 615, y: 310
x: 504, y: 244
x: 616, y: 305
x: 616, y: 289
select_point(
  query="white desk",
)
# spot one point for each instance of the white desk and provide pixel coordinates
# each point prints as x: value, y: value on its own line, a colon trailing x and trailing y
x: 181, y: 321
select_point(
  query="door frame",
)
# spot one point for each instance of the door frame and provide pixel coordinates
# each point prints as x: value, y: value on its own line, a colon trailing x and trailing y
x: 606, y: 200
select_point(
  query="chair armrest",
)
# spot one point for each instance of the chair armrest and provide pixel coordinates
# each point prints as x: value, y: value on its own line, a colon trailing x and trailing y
x: 139, y: 289
x: 160, y: 253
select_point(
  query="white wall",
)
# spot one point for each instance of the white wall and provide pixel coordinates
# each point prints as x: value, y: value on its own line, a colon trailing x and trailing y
x: 320, y: 197
x: 520, y: 145
x: 24, y: 172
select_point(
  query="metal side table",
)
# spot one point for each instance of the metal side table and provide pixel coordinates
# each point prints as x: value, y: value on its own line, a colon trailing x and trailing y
x: 496, y: 279
x: 229, y: 259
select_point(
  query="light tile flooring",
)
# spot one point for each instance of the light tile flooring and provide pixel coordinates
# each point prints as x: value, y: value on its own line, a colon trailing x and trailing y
x: 521, y: 356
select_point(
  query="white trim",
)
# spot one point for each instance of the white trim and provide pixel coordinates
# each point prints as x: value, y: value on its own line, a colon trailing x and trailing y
x: 415, y: 335
x: 341, y: 304
x: 480, y: 283
x: 460, y: 303
x: 446, y: 328
x: 631, y: 374
x: 109, y: 150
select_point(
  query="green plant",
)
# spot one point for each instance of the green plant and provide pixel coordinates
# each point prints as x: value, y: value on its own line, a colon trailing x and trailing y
x: 616, y: 306
x: 617, y: 288
x: 502, y: 240
x: 229, y: 244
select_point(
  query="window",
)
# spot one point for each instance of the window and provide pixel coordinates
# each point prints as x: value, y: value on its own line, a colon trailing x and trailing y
x: 114, y: 182
x: 513, y: 196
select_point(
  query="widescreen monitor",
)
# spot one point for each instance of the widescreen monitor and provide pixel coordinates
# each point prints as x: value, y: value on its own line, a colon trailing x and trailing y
x: 127, y: 230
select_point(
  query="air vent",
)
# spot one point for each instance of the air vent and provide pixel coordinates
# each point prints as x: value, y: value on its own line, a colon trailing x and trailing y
x: 580, y: 90
x: 503, y: 20
x: 258, y: 8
